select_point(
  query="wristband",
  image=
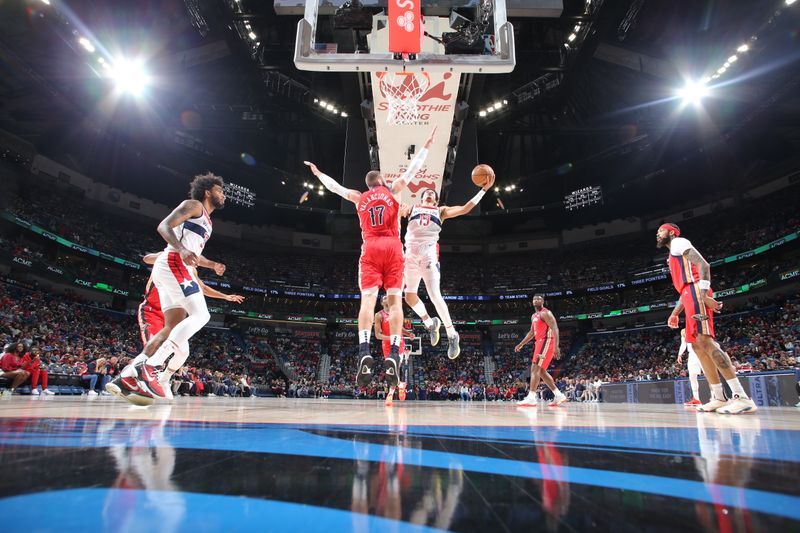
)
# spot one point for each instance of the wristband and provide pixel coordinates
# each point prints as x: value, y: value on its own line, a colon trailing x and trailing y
x: 477, y: 198
x: 704, y: 284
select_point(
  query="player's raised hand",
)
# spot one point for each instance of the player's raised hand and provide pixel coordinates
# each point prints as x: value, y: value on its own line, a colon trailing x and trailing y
x: 431, y: 137
x: 713, y: 304
x: 219, y: 269
x: 405, y: 210
x: 313, y: 167
x: 489, y: 182
x: 189, y: 258
x: 235, y: 298
x: 673, y: 322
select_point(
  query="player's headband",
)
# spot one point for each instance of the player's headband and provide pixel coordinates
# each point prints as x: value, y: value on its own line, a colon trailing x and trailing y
x: 670, y: 227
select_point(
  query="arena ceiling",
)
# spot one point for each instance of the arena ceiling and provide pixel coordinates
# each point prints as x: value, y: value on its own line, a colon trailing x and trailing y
x: 612, y: 120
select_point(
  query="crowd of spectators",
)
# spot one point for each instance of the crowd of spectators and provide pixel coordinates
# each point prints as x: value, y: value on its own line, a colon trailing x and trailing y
x: 613, y: 259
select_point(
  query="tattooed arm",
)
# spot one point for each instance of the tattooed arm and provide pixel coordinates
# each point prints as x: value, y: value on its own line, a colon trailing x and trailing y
x: 704, y: 269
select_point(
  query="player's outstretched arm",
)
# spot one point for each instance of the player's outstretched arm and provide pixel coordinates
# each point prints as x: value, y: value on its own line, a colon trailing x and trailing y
x: 333, y: 185
x: 416, y: 163
x: 186, y: 210
x: 150, y: 259
x: 458, y: 210
x: 218, y: 268
x: 214, y: 293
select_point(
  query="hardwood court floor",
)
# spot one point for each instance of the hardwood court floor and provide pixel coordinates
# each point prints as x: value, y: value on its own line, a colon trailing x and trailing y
x: 224, y: 464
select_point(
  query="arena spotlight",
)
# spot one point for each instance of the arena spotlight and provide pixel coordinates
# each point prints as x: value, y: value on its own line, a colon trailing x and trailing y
x: 86, y: 44
x: 743, y: 48
x: 790, y: 2
x: 693, y: 92
x: 130, y: 76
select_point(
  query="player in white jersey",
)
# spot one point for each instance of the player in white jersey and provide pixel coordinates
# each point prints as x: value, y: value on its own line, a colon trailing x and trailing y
x: 422, y: 260
x: 186, y: 231
x: 695, y: 369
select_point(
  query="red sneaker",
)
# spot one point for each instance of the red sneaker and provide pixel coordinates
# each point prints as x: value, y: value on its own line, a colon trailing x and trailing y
x: 693, y: 401
x: 402, y: 394
x: 149, y: 378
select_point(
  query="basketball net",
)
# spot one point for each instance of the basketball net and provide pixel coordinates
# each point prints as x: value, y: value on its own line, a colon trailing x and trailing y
x: 403, y: 91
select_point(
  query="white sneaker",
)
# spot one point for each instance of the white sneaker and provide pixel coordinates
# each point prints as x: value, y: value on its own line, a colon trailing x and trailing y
x: 8, y: 392
x: 738, y: 406
x: 167, y: 390
x: 92, y: 393
x: 35, y: 392
x: 712, y: 406
x: 528, y: 401
x: 558, y: 400
x: 49, y: 392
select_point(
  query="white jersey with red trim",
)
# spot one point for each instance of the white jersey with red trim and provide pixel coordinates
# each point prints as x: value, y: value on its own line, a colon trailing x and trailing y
x: 193, y: 233
x: 424, y: 225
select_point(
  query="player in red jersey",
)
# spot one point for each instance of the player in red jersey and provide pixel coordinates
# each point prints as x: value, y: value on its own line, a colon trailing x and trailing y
x: 691, y: 277
x: 381, y: 263
x: 382, y: 333
x: 544, y: 330
x: 155, y: 326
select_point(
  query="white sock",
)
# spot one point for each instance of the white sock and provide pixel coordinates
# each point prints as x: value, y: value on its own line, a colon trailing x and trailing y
x: 394, y: 340
x: 717, y: 393
x: 419, y: 308
x: 695, y: 386
x: 451, y: 331
x: 736, y: 388
x: 129, y: 371
x: 363, y: 335
x: 163, y: 352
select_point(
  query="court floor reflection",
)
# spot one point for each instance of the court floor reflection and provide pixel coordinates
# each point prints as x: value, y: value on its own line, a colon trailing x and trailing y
x: 724, y: 474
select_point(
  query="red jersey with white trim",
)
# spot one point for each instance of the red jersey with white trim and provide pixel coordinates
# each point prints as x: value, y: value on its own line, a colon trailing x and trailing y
x: 539, y: 327
x: 193, y: 233
x: 682, y: 270
x: 151, y: 298
x: 378, y: 213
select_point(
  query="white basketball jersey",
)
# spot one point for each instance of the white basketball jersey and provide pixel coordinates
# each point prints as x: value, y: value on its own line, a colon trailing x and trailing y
x: 193, y: 233
x: 424, y: 225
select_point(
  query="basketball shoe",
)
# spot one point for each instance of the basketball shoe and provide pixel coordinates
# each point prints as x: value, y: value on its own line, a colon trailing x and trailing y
x: 164, y: 381
x: 433, y: 331
x: 738, y: 406
x: 401, y: 395
x: 389, y: 397
x: 148, y: 378
x: 365, y: 361
x: 694, y: 402
x: 560, y: 398
x: 129, y: 389
x: 712, y: 405
x: 390, y: 365
x: 529, y: 401
x: 453, y: 347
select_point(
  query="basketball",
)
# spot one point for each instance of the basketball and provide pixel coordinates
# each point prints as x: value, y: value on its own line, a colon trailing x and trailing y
x: 481, y: 174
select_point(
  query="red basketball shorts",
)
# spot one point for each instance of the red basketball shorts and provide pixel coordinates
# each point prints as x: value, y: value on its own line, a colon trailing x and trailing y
x: 544, y: 347
x: 381, y: 264
x: 699, y: 318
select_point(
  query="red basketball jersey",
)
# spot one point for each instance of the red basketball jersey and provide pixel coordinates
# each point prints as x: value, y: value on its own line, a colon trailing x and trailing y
x: 681, y: 269
x: 378, y: 213
x: 538, y: 326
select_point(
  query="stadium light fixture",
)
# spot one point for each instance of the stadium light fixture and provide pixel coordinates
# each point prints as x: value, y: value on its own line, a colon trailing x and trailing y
x: 733, y: 58
x: 130, y: 76
x: 86, y: 44
x: 693, y: 92
x: 252, y: 35
x: 46, y: 2
x: 790, y: 2
x: 743, y: 48
x: 343, y: 114
x: 482, y: 113
x: 571, y: 37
